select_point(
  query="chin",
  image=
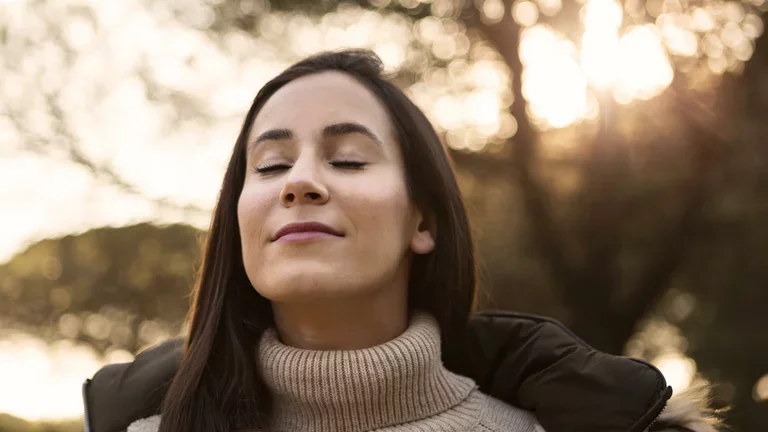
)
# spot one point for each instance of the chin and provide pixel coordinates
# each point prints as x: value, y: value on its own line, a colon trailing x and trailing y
x: 299, y: 282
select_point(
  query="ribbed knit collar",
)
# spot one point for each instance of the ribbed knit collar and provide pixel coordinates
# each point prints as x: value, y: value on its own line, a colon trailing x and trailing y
x: 340, y: 391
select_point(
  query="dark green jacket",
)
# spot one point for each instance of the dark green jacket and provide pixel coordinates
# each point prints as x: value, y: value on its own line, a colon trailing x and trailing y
x: 528, y: 361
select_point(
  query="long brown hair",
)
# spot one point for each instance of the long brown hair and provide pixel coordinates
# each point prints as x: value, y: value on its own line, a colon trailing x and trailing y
x: 217, y: 387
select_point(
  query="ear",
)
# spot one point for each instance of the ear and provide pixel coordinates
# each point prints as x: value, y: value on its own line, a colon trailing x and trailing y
x: 425, y: 232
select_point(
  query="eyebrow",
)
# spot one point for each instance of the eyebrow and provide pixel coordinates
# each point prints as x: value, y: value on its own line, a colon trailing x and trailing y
x: 336, y: 129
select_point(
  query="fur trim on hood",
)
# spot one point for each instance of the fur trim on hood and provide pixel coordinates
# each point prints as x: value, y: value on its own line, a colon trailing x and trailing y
x: 691, y: 410
x: 149, y: 424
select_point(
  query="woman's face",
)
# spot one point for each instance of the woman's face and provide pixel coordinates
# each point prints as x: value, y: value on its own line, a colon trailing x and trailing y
x: 322, y: 151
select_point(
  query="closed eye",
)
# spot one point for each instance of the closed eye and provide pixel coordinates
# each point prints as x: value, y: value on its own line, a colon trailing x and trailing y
x: 348, y: 164
x: 271, y: 168
x: 266, y: 169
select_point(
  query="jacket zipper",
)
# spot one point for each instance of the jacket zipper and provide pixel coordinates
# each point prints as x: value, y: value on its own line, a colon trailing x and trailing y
x: 86, y: 416
x: 643, y: 425
x: 653, y: 422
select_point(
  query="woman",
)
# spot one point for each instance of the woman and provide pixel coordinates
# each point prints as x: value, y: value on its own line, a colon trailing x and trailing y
x: 338, y: 271
x: 336, y: 287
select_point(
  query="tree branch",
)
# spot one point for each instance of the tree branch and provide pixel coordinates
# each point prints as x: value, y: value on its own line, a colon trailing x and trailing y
x: 705, y: 142
x: 505, y: 37
x: 103, y: 172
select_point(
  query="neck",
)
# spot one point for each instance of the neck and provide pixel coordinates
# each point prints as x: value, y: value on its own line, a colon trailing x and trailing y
x: 348, y: 323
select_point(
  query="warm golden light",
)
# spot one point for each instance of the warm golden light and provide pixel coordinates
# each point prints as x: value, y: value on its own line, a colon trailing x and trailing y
x: 600, y: 43
x: 549, y: 7
x: 760, y: 392
x: 602, y: 15
x: 493, y: 10
x: 679, y: 370
x: 553, y: 82
x: 598, y: 57
x: 703, y: 20
x: 525, y: 13
x: 679, y: 41
x: 643, y: 70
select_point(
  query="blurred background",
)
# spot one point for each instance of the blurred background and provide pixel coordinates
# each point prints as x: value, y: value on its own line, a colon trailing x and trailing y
x: 613, y: 157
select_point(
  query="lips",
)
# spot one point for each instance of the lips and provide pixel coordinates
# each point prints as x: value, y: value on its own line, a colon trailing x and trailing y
x: 305, y: 227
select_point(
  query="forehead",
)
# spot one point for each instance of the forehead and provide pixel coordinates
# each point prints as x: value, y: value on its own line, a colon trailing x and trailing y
x: 310, y: 103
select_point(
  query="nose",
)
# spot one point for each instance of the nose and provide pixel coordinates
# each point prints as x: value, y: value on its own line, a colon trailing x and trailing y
x: 303, y: 186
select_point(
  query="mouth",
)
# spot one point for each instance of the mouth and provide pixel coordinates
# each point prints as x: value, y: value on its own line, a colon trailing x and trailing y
x: 303, y: 231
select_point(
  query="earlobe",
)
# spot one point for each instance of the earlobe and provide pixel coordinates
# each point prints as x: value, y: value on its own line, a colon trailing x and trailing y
x: 423, y: 241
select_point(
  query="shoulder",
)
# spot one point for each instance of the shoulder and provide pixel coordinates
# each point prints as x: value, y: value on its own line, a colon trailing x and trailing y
x: 500, y: 416
x: 149, y: 424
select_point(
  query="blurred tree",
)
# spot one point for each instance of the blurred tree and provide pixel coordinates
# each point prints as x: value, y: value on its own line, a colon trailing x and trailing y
x: 718, y: 297
x: 726, y: 274
x: 114, y: 288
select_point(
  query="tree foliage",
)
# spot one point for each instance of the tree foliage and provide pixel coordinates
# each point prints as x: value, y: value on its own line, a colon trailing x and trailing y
x: 114, y: 288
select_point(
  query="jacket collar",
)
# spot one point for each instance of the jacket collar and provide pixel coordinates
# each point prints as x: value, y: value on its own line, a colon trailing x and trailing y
x: 540, y: 365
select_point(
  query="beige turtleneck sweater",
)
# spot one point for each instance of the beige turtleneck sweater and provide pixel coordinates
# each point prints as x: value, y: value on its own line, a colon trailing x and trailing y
x: 400, y: 385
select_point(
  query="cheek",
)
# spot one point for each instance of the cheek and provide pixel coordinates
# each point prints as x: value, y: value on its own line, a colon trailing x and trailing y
x: 251, y: 214
x: 380, y: 207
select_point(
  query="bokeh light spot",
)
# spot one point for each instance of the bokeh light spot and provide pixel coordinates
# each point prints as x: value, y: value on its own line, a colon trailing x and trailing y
x: 550, y: 7
x: 525, y: 13
x: 493, y: 10
x: 760, y: 392
x: 679, y: 370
